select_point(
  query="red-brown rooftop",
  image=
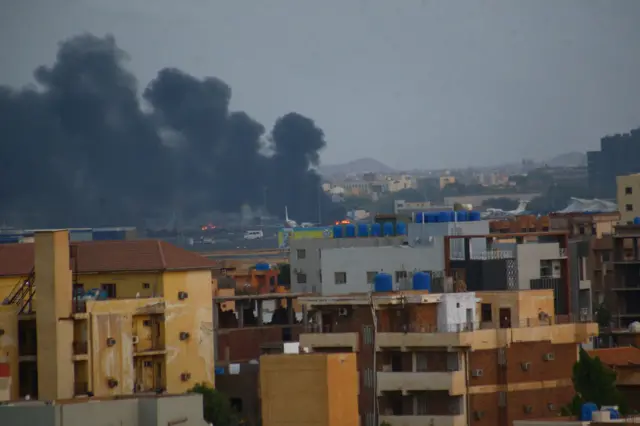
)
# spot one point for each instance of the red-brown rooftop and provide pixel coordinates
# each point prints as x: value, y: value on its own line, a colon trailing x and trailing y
x: 618, y: 357
x: 109, y: 256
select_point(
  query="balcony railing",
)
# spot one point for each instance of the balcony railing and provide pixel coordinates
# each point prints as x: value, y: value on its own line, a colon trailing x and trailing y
x: 484, y: 255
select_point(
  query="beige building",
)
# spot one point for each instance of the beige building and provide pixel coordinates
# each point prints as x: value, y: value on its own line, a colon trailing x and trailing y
x: 628, y: 197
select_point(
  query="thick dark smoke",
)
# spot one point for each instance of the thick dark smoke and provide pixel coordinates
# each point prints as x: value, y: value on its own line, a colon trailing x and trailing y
x: 79, y: 150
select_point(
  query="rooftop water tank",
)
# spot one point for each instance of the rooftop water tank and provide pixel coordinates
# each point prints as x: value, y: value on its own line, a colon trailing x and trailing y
x: 401, y: 228
x: 387, y: 229
x: 431, y: 217
x: 636, y: 220
x: 586, y: 411
x: 420, y: 217
x: 422, y: 281
x: 337, y: 231
x: 443, y: 217
x: 376, y: 230
x: 474, y: 216
x: 383, y: 283
x: 462, y: 215
x: 262, y: 266
x: 363, y: 230
x: 350, y: 231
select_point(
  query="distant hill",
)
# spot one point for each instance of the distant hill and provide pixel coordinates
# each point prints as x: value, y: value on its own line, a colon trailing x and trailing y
x: 359, y: 166
x: 570, y: 159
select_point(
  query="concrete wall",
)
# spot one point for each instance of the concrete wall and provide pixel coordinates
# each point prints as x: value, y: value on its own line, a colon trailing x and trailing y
x: 452, y: 311
x: 9, y: 351
x: 624, y: 199
x: 357, y: 261
x: 419, y: 233
x: 123, y: 412
x: 529, y: 257
x: 310, y: 265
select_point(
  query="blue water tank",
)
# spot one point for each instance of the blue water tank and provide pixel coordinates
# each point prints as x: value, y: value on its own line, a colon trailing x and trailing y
x: 363, y: 230
x: 474, y: 216
x: 443, y: 217
x: 433, y: 217
x: 337, y: 231
x: 636, y: 220
x: 586, y: 411
x: 462, y: 216
x: 383, y: 283
x: 376, y: 230
x: 387, y: 229
x: 350, y: 231
x: 262, y: 266
x: 420, y: 217
x: 401, y: 228
x: 422, y: 281
x: 615, y: 414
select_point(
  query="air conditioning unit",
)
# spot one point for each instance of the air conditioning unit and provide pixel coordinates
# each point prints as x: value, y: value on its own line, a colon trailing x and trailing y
x: 525, y: 366
x: 135, y: 340
x: 551, y: 407
x: 185, y: 377
x: 478, y: 415
x: 477, y: 372
x: 528, y: 409
x: 343, y: 312
x: 550, y: 356
x: 111, y: 341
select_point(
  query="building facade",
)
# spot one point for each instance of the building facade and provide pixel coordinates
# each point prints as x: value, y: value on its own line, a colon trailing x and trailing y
x: 61, y: 342
x: 628, y: 197
x: 451, y: 359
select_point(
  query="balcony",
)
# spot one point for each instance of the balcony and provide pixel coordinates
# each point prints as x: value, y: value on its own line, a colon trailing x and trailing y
x: 453, y: 382
x: 329, y: 340
x: 80, y: 388
x: 455, y: 420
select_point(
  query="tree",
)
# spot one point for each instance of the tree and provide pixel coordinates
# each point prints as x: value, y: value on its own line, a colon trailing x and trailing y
x: 216, y: 407
x: 603, y: 316
x: 594, y: 382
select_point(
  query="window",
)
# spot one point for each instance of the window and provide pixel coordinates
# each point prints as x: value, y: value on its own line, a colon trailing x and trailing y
x: 368, y: 378
x: 606, y: 256
x: 301, y: 253
x: 371, y: 277
x: 401, y: 275
x: 485, y: 312
x: 148, y: 364
x: 421, y: 362
x: 146, y: 323
x: 236, y: 403
x: 341, y: 277
x: 78, y: 289
x: 421, y: 402
x: 581, y: 230
x: 110, y: 289
x: 629, y: 207
x: 628, y: 190
x: 367, y: 332
x: 146, y: 285
x: 545, y: 269
x: 301, y: 278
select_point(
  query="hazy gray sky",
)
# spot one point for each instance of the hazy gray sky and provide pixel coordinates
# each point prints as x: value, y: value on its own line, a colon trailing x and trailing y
x: 413, y: 83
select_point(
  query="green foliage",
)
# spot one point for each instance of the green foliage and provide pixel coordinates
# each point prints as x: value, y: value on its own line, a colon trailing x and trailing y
x: 603, y: 316
x: 557, y: 197
x: 594, y: 382
x: 216, y: 407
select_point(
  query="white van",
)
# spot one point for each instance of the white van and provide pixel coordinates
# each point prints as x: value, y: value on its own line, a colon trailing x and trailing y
x: 253, y: 235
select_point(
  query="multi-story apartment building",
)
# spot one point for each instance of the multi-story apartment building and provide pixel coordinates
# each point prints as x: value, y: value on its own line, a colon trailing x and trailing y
x: 144, y: 323
x: 628, y: 197
x: 452, y: 359
x: 617, y: 156
x: 625, y: 278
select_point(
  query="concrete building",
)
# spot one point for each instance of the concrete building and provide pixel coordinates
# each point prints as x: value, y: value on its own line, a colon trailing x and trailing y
x: 183, y: 410
x: 149, y: 328
x: 454, y: 359
x: 309, y: 389
x: 352, y: 270
x: 628, y: 197
x: 256, y: 325
x: 305, y: 254
x: 625, y: 275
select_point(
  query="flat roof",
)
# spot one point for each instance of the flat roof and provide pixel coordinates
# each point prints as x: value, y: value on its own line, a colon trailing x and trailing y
x: 511, y: 235
x: 394, y: 298
x: 267, y: 296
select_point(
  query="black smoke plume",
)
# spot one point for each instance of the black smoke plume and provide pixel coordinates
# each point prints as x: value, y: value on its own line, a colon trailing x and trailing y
x: 78, y: 148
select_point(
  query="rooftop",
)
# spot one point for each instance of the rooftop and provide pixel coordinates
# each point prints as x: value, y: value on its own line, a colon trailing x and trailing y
x: 618, y: 357
x: 109, y: 256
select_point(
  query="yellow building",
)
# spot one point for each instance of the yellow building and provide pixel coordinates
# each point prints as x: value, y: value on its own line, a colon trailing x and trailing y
x: 310, y: 389
x: 628, y: 197
x: 153, y: 331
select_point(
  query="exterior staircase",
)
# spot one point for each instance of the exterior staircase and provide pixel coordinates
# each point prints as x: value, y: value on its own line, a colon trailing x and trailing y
x: 22, y: 294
